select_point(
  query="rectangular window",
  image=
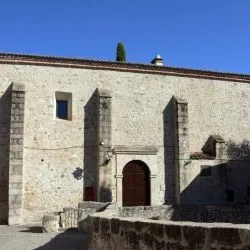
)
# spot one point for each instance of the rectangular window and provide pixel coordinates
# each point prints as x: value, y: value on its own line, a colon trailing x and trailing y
x: 63, y: 108
x: 230, y: 195
x: 205, y: 170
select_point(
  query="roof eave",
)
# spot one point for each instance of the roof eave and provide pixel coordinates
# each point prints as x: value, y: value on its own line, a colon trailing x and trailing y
x: 6, y: 58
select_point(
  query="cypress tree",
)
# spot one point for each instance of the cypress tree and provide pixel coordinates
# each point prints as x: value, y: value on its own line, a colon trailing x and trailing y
x: 120, y: 53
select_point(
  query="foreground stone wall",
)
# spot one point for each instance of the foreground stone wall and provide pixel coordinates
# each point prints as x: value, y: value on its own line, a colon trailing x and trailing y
x: 239, y: 214
x: 53, y: 149
x: 165, y: 212
x: 120, y: 233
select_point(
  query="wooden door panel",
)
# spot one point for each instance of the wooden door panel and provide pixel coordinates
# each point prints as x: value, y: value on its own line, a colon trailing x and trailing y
x: 135, y: 184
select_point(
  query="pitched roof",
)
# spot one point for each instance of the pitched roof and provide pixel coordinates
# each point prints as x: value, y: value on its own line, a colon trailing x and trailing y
x: 201, y: 156
x: 11, y: 58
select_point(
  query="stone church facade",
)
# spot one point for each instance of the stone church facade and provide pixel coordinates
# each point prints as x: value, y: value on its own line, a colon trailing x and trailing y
x: 135, y: 134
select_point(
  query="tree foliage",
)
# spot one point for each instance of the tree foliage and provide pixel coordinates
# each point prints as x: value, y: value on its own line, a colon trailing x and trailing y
x: 238, y: 151
x: 120, y: 53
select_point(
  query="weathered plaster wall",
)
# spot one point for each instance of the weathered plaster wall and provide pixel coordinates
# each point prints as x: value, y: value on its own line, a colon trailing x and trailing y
x: 130, y: 233
x: 53, y: 148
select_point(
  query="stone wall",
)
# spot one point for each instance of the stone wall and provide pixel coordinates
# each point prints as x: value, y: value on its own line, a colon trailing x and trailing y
x: 233, y: 214
x: 5, y: 108
x: 72, y: 218
x: 165, y: 212
x: 53, y: 149
x: 212, y: 213
x: 225, y: 175
x: 130, y: 233
x: 193, y: 212
x: 104, y: 168
x: 204, y: 189
x: 15, y: 192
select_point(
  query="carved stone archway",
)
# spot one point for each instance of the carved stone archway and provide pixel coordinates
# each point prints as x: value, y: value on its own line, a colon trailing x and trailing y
x: 145, y: 154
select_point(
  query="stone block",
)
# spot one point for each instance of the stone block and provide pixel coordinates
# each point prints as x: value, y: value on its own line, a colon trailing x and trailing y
x: 92, y: 205
x: 194, y: 235
x: 15, y: 179
x: 15, y: 200
x: 149, y: 241
x: 105, y: 225
x: 96, y: 224
x: 18, y: 87
x: 15, y: 191
x: 17, y: 161
x: 228, y: 236
x: 16, y: 136
x: 15, y: 185
x: 50, y: 223
x: 156, y: 229
x: 140, y: 226
x: 20, y: 106
x: 173, y: 232
x: 115, y: 226
x: 16, y: 147
x: 16, y: 100
x: 131, y: 240
x: 104, y: 93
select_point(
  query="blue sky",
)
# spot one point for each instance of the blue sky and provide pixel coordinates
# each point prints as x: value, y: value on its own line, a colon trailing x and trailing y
x: 209, y: 34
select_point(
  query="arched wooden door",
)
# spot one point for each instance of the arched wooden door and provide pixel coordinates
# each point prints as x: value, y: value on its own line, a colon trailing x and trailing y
x: 135, y: 184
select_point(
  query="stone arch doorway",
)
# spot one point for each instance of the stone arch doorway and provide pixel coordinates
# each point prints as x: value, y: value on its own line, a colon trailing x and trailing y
x: 136, y: 184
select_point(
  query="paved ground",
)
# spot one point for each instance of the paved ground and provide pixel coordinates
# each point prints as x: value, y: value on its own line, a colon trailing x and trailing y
x: 31, y: 238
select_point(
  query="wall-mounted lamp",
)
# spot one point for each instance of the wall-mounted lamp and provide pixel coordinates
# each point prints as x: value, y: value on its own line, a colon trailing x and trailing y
x: 108, y: 156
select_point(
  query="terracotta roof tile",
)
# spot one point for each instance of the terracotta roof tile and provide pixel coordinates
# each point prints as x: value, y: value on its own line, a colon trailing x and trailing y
x: 12, y: 58
x: 201, y: 156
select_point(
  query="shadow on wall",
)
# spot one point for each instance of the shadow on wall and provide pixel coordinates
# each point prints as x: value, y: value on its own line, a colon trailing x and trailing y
x: 169, y: 151
x: 227, y: 182
x: 209, y: 186
x: 105, y: 194
x: 90, y: 147
x: 238, y: 170
x: 5, y: 110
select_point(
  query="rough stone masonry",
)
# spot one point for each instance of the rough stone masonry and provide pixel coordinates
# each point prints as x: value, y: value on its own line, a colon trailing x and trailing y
x: 48, y: 163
